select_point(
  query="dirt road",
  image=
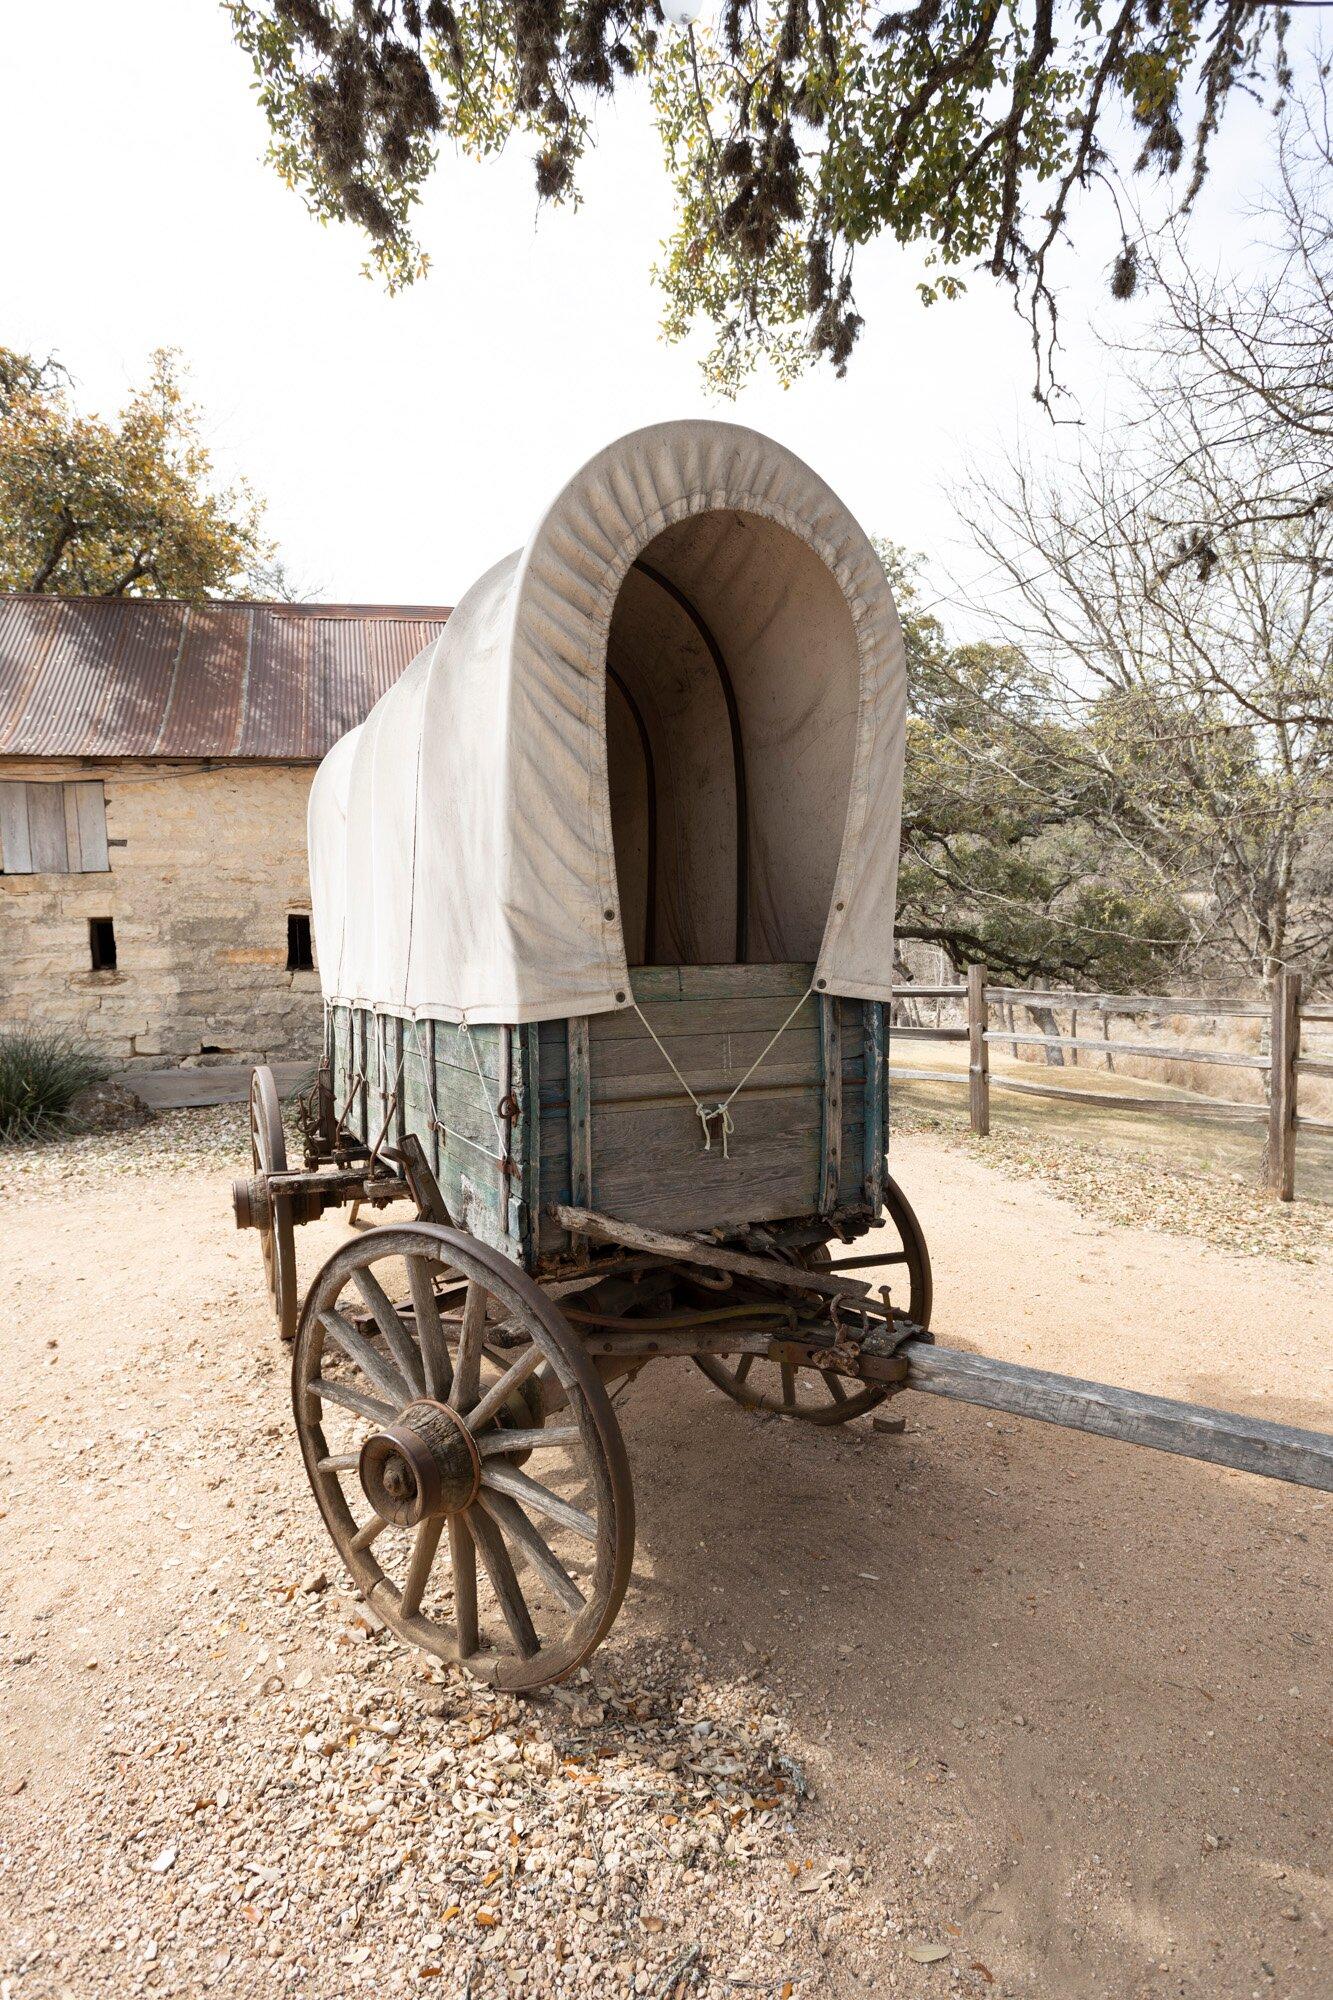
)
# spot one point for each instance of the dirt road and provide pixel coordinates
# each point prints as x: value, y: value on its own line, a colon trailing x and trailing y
x: 1063, y: 1707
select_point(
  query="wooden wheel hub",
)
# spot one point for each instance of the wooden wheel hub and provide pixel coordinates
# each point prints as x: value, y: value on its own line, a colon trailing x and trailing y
x: 422, y: 1464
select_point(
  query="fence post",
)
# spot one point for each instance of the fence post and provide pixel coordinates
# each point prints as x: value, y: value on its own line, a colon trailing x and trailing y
x: 1285, y: 1043
x: 978, y: 1052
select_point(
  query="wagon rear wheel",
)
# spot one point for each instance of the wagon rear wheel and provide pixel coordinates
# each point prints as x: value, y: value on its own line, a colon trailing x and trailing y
x: 277, y: 1236
x: 464, y: 1454
x: 817, y: 1395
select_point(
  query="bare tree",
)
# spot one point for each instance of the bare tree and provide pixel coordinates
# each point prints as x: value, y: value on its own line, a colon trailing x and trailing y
x: 1255, y: 356
x: 1175, y: 578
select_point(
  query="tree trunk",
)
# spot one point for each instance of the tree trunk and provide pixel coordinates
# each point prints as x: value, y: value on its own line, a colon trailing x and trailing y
x: 1046, y: 1022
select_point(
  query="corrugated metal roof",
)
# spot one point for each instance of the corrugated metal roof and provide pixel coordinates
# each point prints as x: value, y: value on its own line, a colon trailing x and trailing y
x: 147, y: 677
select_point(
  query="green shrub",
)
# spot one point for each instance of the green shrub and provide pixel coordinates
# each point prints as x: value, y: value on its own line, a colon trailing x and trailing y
x: 40, y: 1071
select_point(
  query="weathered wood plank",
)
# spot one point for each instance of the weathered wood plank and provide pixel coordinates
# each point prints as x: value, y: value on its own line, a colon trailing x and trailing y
x: 707, y: 1055
x: 528, y: 1148
x: 1223, y: 1057
x: 713, y: 1256
x: 185, y: 1089
x: 906, y: 1032
x: 73, y: 846
x: 15, y: 842
x: 719, y: 982
x: 1130, y: 1003
x: 580, y: 1112
x: 1221, y: 1437
x: 750, y: 1014
x: 90, y: 811
x: 46, y: 829
x: 978, y: 1060
x: 830, y: 1105
x: 1285, y: 1045
x: 1222, y: 1110
x: 873, y: 1135
x: 680, y: 1189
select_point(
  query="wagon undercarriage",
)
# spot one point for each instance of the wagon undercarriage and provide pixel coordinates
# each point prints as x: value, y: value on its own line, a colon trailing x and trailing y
x: 455, y: 1415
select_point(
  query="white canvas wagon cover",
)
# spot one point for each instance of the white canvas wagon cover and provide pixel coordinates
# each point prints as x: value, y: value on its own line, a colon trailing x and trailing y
x: 670, y: 729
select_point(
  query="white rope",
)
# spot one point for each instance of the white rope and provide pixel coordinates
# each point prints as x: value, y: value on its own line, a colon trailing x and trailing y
x: 485, y: 1092
x: 390, y: 1105
x: 357, y: 1081
x: 436, y: 1120
x: 721, y: 1110
x: 426, y: 1077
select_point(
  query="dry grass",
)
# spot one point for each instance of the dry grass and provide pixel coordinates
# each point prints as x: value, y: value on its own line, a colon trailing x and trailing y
x: 1138, y: 1191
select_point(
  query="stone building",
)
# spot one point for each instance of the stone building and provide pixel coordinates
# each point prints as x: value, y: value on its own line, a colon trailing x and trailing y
x: 155, y: 761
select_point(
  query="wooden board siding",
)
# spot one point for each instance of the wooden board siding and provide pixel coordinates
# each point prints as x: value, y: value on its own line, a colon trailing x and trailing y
x: 440, y: 1088
x: 51, y: 828
x: 648, y: 1159
x: 626, y: 1139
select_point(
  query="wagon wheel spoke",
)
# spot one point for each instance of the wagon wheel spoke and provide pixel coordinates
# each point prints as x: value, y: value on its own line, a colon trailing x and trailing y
x: 503, y: 1444
x: 504, y: 1582
x: 539, y: 1498
x: 837, y: 1393
x: 277, y: 1236
x: 434, y: 1348
x: 743, y: 1367
x: 397, y: 1338
x: 349, y: 1398
x: 379, y: 1372
x: 499, y: 1393
x: 423, y: 1556
x: 509, y: 1516
x: 467, y: 1364
x: 436, y: 1399
x: 463, y: 1557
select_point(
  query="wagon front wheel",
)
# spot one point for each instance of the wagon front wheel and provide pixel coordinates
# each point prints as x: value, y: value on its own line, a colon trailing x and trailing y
x: 463, y: 1453
x: 819, y: 1396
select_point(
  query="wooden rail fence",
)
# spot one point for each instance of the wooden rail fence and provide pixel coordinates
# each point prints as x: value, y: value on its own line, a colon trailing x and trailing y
x: 1283, y: 1065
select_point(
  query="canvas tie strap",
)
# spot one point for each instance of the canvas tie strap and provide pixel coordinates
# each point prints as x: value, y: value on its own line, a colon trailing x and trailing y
x: 720, y: 1113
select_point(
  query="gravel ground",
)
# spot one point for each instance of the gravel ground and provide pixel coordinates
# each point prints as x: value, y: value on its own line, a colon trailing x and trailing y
x: 1227, y: 1210
x: 987, y: 1708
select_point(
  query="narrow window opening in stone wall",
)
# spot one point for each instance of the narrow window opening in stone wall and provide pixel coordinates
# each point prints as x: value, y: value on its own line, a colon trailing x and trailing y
x: 300, y: 946
x: 102, y: 943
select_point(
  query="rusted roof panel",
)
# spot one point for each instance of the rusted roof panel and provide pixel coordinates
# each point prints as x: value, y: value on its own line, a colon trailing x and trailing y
x: 139, y: 681
x: 139, y: 677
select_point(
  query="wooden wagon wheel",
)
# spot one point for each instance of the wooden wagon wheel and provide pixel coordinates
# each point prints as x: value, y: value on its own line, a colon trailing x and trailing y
x: 268, y: 1151
x: 816, y: 1395
x: 463, y: 1420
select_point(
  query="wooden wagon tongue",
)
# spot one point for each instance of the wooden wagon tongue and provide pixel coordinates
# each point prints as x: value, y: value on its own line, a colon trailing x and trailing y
x: 911, y: 1359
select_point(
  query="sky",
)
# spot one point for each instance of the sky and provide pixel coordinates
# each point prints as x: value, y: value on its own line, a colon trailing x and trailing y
x: 404, y: 444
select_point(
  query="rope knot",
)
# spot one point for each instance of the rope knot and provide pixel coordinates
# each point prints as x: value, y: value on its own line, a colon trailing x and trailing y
x: 707, y: 1113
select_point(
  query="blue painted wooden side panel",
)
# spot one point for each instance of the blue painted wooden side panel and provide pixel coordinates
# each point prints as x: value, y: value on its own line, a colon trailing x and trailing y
x: 626, y: 1139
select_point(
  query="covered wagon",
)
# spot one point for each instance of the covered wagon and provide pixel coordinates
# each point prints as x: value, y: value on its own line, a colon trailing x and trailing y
x: 603, y: 892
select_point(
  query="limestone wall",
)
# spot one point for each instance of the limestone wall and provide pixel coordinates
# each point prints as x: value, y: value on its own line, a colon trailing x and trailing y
x: 206, y: 864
